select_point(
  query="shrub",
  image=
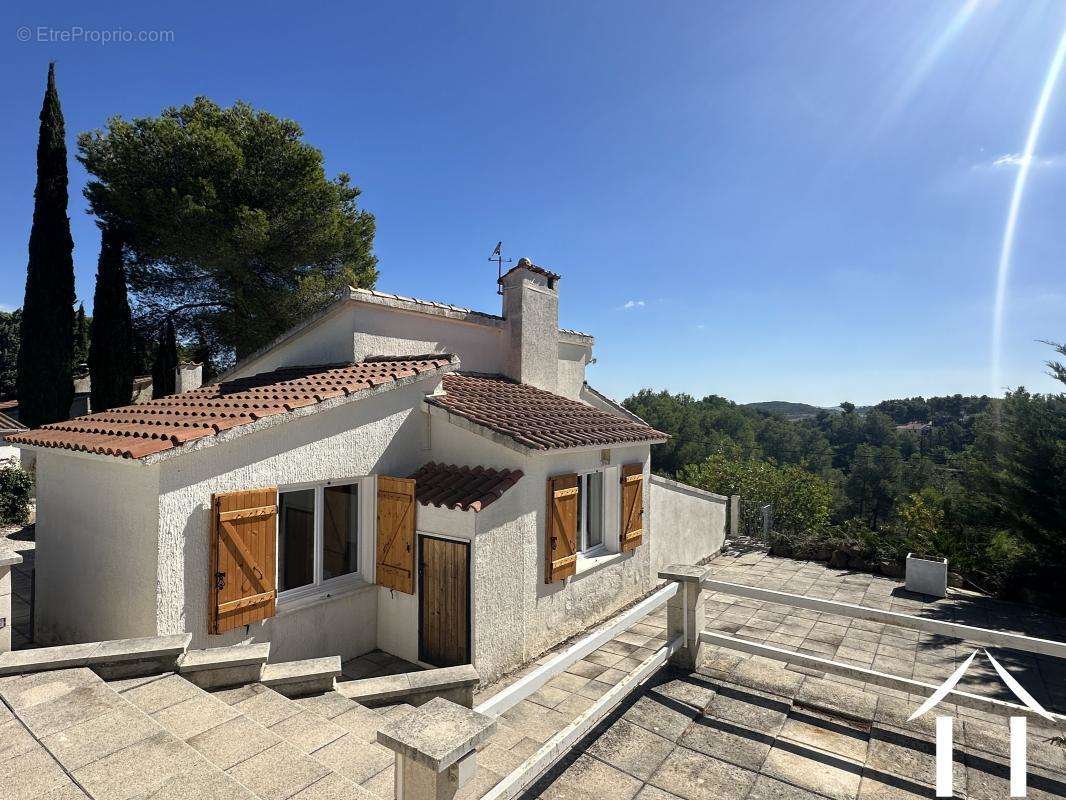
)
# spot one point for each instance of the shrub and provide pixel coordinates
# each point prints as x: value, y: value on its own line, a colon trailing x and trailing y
x: 802, y: 501
x: 15, y: 487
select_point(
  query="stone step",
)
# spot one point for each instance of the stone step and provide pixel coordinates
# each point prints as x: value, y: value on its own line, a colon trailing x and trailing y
x: 256, y: 736
x: 336, y: 732
x: 96, y: 739
x: 220, y: 667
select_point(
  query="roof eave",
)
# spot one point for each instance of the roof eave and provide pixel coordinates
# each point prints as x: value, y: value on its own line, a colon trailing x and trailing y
x: 433, y: 409
x: 280, y: 419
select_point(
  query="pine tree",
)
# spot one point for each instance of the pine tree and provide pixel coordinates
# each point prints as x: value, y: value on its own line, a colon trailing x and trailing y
x: 164, y: 377
x: 45, y: 382
x: 81, y: 341
x: 111, y: 348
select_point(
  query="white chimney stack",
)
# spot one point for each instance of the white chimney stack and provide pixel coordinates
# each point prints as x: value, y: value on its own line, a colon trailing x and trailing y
x: 531, y: 311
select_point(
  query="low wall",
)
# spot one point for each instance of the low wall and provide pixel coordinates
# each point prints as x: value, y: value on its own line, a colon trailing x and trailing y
x: 687, y: 524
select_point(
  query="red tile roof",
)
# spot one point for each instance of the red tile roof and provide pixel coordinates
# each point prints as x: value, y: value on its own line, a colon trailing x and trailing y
x: 535, y: 418
x: 467, y: 488
x: 144, y: 429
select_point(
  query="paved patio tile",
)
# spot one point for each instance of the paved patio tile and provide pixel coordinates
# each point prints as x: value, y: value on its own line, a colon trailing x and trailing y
x: 767, y: 788
x: 695, y: 776
x: 833, y: 735
x: 278, y: 773
x: 587, y: 778
x: 723, y: 740
x: 810, y: 769
x: 631, y: 749
x: 662, y: 716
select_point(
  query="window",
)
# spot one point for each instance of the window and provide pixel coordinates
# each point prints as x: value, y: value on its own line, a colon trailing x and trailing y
x: 318, y: 537
x: 590, y: 511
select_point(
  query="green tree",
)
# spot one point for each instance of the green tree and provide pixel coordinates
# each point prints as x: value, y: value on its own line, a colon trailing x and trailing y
x: 45, y: 381
x: 873, y: 484
x: 10, y: 330
x: 81, y: 340
x: 164, y: 375
x: 1016, y: 472
x: 801, y: 501
x: 228, y: 218
x: 111, y: 348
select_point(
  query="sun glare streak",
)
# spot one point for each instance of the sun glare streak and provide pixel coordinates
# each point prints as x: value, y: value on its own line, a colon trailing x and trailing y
x: 1020, y: 179
x: 928, y: 60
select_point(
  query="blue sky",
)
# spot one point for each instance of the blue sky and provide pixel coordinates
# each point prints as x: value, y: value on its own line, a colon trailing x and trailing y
x: 773, y: 200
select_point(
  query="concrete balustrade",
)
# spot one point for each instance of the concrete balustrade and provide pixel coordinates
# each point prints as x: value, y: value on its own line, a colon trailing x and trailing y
x: 436, y: 749
x: 685, y: 613
x: 8, y: 559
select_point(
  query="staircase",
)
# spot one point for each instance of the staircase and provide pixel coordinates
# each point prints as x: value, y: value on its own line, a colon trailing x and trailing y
x: 68, y: 734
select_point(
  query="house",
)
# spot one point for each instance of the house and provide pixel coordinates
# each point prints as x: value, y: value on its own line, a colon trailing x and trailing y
x: 9, y: 424
x: 920, y: 428
x: 391, y: 473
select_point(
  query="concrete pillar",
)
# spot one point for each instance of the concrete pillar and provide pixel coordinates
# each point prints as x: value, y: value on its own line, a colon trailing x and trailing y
x: 8, y: 559
x: 734, y: 515
x: 685, y: 616
x: 436, y: 749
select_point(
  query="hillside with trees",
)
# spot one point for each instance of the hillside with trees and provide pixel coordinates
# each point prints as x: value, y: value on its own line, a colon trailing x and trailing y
x: 982, y: 484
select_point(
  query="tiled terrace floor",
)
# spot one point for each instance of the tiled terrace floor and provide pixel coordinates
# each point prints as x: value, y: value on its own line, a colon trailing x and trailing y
x: 751, y: 729
x: 375, y: 664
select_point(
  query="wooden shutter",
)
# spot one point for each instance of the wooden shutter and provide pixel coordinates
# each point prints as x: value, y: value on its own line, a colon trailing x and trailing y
x: 632, y: 533
x: 396, y: 534
x: 243, y: 584
x: 560, y: 533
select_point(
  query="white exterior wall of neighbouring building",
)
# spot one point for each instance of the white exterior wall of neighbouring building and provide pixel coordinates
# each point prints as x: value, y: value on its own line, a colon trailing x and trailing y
x: 379, y: 435
x: 691, y: 523
x: 95, y: 562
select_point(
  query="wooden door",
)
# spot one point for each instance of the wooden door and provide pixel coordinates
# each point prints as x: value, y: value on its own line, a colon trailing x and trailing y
x: 443, y: 602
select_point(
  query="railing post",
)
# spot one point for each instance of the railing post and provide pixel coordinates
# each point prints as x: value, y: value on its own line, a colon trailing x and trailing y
x: 436, y: 749
x: 8, y: 559
x: 685, y: 613
x: 734, y: 516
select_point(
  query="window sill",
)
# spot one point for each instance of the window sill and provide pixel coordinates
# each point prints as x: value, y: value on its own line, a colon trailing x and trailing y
x: 287, y: 605
x: 603, y: 558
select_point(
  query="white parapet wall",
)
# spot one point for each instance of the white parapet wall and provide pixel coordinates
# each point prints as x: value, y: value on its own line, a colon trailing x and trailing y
x: 689, y: 523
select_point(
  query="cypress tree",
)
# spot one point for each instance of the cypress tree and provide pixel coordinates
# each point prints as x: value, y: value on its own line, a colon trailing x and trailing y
x: 81, y: 341
x: 111, y: 346
x: 45, y: 382
x: 164, y: 378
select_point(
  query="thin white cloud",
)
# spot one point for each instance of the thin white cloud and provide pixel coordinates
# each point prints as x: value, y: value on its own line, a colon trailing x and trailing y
x: 1016, y: 160
x: 629, y: 305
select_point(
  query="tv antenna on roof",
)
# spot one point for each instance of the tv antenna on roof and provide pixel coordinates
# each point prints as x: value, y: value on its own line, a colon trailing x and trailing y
x: 497, y: 256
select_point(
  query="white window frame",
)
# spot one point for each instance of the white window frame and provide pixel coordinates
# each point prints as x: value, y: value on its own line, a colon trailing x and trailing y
x: 366, y: 513
x: 582, y: 533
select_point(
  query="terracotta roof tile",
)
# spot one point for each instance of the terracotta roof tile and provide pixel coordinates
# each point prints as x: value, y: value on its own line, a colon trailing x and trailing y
x: 535, y: 418
x: 525, y: 263
x: 466, y: 488
x: 144, y: 429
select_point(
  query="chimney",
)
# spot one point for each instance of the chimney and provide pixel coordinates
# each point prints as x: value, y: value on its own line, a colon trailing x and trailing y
x: 188, y: 375
x: 531, y: 312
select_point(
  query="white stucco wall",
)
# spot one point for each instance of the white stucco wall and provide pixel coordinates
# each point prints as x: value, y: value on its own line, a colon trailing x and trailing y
x: 9, y: 455
x: 690, y: 524
x: 573, y: 358
x: 96, y: 548
x: 379, y: 435
x: 356, y: 330
x: 518, y: 616
x: 327, y: 340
